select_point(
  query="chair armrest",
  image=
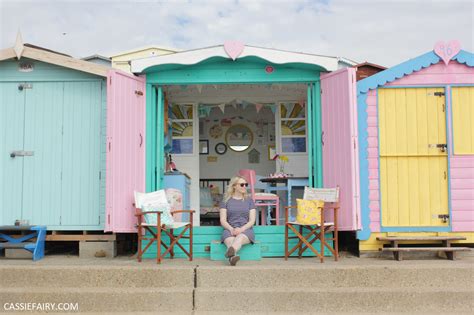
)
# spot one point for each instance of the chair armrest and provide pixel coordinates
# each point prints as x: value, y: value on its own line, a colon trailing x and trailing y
x: 191, y: 212
x: 182, y: 211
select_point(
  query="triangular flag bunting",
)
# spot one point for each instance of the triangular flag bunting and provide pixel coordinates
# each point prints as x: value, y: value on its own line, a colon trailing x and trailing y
x: 273, y: 108
x: 222, y: 107
x: 258, y: 107
x: 199, y: 88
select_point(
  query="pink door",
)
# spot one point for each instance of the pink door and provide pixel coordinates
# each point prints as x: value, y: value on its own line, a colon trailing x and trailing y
x: 340, y: 152
x: 125, y: 170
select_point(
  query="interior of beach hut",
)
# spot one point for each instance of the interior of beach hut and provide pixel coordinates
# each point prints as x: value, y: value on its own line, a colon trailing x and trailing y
x: 215, y: 132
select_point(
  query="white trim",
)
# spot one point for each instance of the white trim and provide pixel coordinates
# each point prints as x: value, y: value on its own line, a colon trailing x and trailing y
x: 191, y: 57
x: 130, y: 51
x: 57, y: 59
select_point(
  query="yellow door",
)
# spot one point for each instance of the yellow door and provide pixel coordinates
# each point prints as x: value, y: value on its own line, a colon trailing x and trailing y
x: 413, y: 157
x: 463, y: 120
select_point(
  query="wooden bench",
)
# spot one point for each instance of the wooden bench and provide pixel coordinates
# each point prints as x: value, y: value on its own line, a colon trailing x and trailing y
x: 36, y: 233
x: 445, y: 241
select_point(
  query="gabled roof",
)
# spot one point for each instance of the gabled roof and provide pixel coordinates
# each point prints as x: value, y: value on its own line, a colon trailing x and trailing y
x: 190, y: 57
x: 173, y: 50
x: 408, y: 67
x: 369, y: 65
x: 96, y: 56
x: 52, y: 57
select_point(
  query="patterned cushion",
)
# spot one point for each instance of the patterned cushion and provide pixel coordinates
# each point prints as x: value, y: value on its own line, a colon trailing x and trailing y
x: 152, y: 218
x: 154, y: 201
x: 308, y: 212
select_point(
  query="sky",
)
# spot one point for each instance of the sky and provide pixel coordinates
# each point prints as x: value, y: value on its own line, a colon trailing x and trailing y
x: 382, y: 32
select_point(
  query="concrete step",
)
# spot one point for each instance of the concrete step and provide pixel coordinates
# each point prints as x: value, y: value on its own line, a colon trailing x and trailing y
x: 96, y: 277
x: 450, y: 276
x: 328, y: 299
x: 105, y: 299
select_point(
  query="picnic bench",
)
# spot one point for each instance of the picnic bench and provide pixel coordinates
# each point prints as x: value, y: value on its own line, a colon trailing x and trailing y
x: 445, y: 245
x: 33, y: 241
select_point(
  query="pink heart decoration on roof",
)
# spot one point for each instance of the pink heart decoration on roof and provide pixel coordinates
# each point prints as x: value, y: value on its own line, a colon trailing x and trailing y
x: 446, y: 51
x: 233, y: 49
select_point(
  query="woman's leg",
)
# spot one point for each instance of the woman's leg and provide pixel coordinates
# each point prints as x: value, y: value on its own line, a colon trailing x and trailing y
x: 228, y: 241
x: 240, y: 240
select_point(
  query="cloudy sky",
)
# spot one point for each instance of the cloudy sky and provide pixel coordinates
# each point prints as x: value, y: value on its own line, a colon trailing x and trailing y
x: 383, y: 32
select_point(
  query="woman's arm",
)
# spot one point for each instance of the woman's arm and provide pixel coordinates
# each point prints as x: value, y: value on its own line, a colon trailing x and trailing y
x: 223, y: 219
x: 252, y: 217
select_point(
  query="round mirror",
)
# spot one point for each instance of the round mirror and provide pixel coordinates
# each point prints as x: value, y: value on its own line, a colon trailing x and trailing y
x: 239, y: 138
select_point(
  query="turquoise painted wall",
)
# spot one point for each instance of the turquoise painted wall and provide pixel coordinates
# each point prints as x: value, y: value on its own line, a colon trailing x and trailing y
x: 62, y: 118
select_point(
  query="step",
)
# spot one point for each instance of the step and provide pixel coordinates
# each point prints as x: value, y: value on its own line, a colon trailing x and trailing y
x: 421, y: 238
x: 398, y: 276
x: 328, y: 299
x: 141, y: 276
x: 106, y: 299
x: 428, y: 249
x: 247, y: 252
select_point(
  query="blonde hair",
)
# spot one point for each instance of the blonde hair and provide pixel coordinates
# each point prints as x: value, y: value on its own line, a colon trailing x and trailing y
x: 231, y: 188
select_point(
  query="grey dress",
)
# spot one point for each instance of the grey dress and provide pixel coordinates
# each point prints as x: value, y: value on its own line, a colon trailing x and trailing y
x: 238, y: 212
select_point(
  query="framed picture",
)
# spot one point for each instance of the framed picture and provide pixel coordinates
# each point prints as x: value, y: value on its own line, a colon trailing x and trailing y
x: 271, y: 152
x: 203, y: 147
x: 220, y: 148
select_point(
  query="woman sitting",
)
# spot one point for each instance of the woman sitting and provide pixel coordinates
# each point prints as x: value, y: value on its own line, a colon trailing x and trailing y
x: 237, y: 216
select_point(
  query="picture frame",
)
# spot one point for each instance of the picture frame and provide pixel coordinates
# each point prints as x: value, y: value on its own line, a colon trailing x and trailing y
x: 203, y: 147
x: 220, y: 148
x: 271, y: 152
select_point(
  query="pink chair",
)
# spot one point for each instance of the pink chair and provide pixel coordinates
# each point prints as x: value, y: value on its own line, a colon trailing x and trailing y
x: 261, y: 199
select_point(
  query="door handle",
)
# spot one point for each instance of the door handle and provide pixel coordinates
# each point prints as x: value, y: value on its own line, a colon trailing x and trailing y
x: 442, y: 146
x: 21, y: 153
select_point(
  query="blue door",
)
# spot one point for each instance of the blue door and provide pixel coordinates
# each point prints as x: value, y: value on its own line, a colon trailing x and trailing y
x: 42, y: 171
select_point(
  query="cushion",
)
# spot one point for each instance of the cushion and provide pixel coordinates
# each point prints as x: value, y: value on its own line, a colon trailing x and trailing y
x: 152, y: 218
x: 206, y: 198
x: 154, y: 201
x: 175, y: 200
x: 308, y: 212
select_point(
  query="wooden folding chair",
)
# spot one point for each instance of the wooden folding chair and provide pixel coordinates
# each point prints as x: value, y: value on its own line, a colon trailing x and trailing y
x: 156, y: 231
x: 317, y: 231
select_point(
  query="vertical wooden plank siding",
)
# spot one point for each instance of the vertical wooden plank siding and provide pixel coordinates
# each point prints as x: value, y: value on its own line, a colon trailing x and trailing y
x: 413, y: 173
x: 317, y: 133
x: 125, y: 148
x: 42, y: 192
x: 12, y: 112
x: 339, y: 149
x: 151, y: 138
x: 309, y: 104
x: 81, y: 141
x: 160, y: 139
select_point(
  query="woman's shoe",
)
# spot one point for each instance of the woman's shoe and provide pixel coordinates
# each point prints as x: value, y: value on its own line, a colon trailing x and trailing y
x: 233, y: 260
x: 230, y: 252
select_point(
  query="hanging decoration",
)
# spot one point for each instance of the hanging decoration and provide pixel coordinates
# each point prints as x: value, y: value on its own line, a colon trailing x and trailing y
x: 221, y: 107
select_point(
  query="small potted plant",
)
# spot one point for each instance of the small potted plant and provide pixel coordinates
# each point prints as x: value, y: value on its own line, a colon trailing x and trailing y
x: 281, y: 161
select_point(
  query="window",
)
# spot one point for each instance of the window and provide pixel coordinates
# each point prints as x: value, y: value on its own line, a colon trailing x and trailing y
x: 181, y: 118
x: 463, y: 118
x: 293, y: 128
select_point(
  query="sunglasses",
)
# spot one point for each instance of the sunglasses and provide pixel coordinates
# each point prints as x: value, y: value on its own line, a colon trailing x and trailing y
x: 244, y: 184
